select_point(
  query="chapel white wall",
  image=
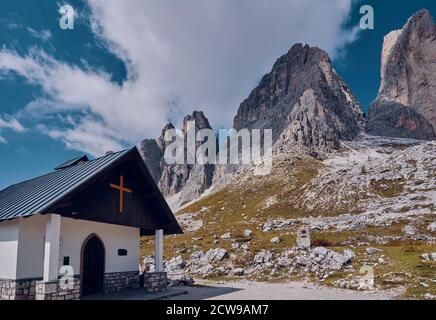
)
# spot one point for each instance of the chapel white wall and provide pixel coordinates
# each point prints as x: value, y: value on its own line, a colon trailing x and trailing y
x: 75, y: 232
x: 30, y: 261
x: 8, y: 249
x: 22, y: 246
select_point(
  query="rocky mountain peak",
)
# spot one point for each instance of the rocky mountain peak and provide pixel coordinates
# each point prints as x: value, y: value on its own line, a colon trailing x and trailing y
x: 406, y: 102
x: 189, y: 179
x: 421, y: 23
x: 303, y: 74
x: 201, y: 122
x: 161, y: 140
x: 303, y: 54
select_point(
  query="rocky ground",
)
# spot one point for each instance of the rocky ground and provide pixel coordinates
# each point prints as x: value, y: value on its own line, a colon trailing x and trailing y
x: 376, y: 231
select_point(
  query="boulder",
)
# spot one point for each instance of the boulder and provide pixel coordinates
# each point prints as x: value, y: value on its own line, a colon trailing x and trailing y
x: 203, y: 270
x: 248, y: 233
x: 148, y: 264
x: 276, y: 240
x: 425, y: 256
x: 180, y: 280
x: 372, y: 250
x: 428, y: 256
x: 409, y: 230
x: 175, y: 263
x: 283, y: 262
x: 214, y: 255
x: 432, y: 227
x: 430, y: 296
x: 237, y: 272
x: 263, y: 257
x: 235, y: 245
x: 329, y: 259
x: 245, y: 247
x: 267, y: 226
x: 226, y: 236
x: 319, y: 254
x: 196, y: 256
x: 350, y: 254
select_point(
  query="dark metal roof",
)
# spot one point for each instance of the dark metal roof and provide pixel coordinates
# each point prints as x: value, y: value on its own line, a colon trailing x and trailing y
x: 36, y: 195
x: 72, y: 162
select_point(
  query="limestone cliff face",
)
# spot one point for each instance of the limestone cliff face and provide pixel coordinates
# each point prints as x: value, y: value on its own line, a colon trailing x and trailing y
x: 153, y: 150
x: 304, y: 101
x: 152, y: 154
x: 189, y: 179
x: 311, y: 125
x: 406, y: 102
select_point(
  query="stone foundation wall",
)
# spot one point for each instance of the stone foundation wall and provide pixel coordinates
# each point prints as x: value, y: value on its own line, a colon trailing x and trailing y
x: 155, y: 281
x: 119, y: 281
x: 17, y: 289
x: 53, y: 291
x: 35, y: 289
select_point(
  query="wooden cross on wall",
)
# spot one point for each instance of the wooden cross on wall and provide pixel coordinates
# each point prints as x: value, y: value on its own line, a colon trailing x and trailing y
x: 122, y: 189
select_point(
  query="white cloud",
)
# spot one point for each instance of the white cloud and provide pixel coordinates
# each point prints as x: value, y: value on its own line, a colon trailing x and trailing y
x: 44, y: 35
x: 7, y: 122
x: 10, y: 123
x: 181, y: 56
x: 121, y: 110
x: 88, y: 136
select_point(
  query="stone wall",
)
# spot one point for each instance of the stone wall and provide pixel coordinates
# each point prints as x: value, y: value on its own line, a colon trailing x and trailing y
x: 155, y: 281
x: 17, y: 289
x: 35, y: 289
x: 53, y: 291
x: 119, y: 281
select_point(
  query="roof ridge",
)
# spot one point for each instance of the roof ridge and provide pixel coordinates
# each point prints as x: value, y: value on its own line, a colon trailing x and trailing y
x: 111, y: 154
x: 55, y: 171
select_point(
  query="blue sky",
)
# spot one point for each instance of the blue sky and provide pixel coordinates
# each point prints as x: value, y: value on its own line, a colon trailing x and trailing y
x: 130, y: 66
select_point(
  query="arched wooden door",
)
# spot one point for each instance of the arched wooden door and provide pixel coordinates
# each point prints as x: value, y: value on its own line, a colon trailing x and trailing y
x: 92, y: 266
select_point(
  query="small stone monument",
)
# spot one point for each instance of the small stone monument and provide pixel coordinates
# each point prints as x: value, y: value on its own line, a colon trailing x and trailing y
x: 303, y: 238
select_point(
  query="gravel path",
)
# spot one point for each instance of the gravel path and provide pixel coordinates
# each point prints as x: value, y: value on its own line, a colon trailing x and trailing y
x: 246, y: 290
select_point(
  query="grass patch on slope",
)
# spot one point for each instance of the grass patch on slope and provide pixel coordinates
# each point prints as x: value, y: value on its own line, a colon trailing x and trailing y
x: 387, y: 188
x: 407, y: 269
x: 236, y: 208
